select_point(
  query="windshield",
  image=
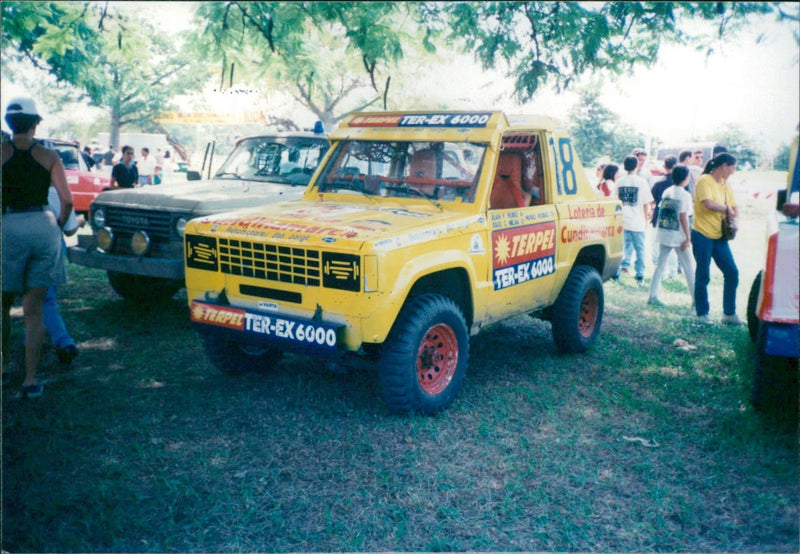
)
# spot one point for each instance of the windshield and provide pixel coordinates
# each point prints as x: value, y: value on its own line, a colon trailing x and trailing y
x: 70, y: 157
x: 435, y: 170
x: 281, y: 160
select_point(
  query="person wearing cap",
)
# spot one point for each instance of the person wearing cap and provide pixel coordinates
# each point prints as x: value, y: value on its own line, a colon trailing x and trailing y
x: 32, y: 256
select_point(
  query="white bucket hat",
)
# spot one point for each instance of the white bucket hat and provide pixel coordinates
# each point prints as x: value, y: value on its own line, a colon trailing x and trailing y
x: 22, y: 105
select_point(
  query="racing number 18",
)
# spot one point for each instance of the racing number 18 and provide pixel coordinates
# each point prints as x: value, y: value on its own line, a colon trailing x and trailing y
x: 566, y: 180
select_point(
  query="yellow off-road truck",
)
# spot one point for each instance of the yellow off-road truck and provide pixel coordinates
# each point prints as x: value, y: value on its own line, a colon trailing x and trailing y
x: 418, y: 230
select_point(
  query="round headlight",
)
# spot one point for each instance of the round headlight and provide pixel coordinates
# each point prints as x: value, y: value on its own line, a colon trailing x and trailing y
x: 140, y: 243
x: 99, y: 218
x: 105, y: 238
x: 180, y: 225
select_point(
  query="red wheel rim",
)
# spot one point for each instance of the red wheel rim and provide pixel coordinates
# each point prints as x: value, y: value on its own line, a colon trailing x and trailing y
x: 437, y: 359
x: 588, y: 316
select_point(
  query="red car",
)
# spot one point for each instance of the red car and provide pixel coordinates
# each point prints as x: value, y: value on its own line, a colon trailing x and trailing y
x: 84, y: 183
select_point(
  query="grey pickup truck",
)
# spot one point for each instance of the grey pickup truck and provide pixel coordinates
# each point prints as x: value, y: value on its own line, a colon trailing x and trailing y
x: 137, y: 234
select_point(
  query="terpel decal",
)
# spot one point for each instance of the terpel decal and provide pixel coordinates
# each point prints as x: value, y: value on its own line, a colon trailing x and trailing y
x: 523, y: 253
x: 375, y: 121
x: 521, y: 244
x: 231, y: 318
x: 521, y: 273
x: 312, y: 334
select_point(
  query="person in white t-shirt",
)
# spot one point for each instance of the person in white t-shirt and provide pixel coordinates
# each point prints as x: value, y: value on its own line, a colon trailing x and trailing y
x: 673, y: 231
x: 696, y: 165
x: 637, y: 203
x: 147, y: 167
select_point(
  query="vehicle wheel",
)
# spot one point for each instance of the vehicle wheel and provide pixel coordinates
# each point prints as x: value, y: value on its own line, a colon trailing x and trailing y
x: 424, y: 359
x: 232, y: 357
x: 775, y: 380
x: 138, y: 288
x: 752, y: 305
x: 578, y: 311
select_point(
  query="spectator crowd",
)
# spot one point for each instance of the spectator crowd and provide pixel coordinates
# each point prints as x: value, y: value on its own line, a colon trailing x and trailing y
x: 689, y: 208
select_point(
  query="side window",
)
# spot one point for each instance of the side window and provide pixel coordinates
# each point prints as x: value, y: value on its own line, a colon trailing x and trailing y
x: 519, y: 177
x: 533, y: 175
x: 69, y: 157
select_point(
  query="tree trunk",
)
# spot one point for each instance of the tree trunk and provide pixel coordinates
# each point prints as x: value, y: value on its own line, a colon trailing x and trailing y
x: 116, y: 116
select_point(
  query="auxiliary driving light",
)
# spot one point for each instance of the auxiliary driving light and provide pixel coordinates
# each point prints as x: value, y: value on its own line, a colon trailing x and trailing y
x: 105, y: 238
x: 140, y: 243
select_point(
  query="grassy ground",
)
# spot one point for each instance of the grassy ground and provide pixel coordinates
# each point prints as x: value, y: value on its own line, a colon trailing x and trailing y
x: 635, y: 446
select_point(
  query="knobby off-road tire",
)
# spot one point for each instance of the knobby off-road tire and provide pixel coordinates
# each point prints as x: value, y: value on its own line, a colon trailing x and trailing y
x: 752, y: 305
x: 775, y: 380
x: 578, y: 311
x: 424, y: 359
x: 138, y: 288
x: 232, y: 357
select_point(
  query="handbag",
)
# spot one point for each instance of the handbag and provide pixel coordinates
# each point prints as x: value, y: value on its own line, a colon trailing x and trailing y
x: 729, y: 225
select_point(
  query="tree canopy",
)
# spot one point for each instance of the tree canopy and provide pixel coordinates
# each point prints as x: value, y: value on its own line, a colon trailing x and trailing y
x: 112, y: 58
x: 555, y: 43
x: 336, y: 57
x: 332, y: 57
x: 599, y: 134
x: 325, y: 52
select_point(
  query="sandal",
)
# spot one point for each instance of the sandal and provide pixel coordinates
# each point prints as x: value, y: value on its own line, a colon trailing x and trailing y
x: 33, y: 391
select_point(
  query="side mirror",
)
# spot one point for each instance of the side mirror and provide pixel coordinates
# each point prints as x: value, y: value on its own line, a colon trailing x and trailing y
x: 192, y: 175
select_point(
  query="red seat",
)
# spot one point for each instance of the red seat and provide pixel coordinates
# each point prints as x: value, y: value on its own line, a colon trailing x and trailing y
x: 507, y: 187
x: 423, y: 165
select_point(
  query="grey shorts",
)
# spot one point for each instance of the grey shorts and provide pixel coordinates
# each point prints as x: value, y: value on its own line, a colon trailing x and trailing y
x: 32, y: 253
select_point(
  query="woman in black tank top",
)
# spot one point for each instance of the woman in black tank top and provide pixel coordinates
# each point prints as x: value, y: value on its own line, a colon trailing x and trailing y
x: 25, y: 181
x: 32, y: 256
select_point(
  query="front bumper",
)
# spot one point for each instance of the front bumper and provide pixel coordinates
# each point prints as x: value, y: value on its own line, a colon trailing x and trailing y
x: 86, y: 253
x: 286, y: 333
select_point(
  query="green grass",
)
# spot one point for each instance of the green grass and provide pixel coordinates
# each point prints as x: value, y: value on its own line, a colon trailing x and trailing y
x: 633, y: 446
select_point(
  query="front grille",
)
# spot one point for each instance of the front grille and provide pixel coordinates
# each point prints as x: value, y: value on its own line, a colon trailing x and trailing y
x: 125, y: 221
x: 284, y: 264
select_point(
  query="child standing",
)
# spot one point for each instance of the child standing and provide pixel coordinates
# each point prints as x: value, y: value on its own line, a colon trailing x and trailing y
x: 673, y: 231
x: 634, y: 193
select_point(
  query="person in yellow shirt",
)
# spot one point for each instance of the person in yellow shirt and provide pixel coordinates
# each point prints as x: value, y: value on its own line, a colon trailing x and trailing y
x: 713, y: 200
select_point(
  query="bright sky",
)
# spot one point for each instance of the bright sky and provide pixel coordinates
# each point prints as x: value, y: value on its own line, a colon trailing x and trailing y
x: 684, y: 97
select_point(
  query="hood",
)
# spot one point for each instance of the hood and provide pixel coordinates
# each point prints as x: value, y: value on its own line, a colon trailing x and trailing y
x: 201, y: 197
x: 347, y: 225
